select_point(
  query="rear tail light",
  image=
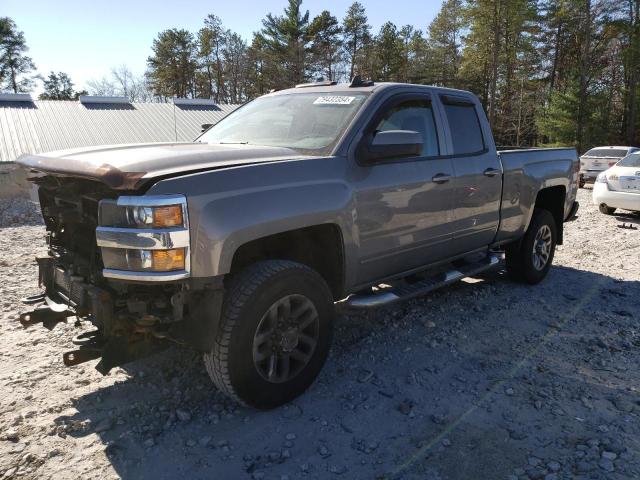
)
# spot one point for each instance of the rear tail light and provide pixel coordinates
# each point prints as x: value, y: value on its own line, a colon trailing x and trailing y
x: 611, y: 164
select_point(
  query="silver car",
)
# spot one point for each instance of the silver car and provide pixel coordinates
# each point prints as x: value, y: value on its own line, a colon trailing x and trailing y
x: 599, y: 159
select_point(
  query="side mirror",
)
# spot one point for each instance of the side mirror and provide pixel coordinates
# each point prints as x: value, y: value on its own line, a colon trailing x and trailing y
x: 205, y: 126
x: 394, y: 144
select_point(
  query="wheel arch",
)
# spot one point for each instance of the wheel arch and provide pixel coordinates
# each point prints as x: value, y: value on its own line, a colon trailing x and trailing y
x: 320, y: 247
x: 553, y: 199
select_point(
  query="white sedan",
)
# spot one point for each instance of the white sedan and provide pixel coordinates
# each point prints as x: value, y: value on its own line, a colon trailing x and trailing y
x: 619, y: 186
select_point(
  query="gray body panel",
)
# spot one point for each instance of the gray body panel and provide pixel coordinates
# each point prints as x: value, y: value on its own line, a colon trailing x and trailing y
x: 392, y: 217
x: 526, y: 172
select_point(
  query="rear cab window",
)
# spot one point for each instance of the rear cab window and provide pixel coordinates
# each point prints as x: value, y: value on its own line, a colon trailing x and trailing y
x: 464, y: 125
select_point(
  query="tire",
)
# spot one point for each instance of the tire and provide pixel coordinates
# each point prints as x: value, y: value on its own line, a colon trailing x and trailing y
x: 581, y: 182
x: 606, y: 210
x: 241, y: 363
x: 522, y: 264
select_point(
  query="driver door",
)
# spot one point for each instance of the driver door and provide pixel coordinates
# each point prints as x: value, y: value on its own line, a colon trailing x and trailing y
x: 404, y: 206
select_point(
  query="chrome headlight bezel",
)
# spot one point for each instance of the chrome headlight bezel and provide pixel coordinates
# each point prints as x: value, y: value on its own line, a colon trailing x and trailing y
x: 139, y: 240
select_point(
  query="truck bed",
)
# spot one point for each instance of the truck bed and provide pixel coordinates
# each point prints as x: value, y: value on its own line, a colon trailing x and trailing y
x: 526, y: 172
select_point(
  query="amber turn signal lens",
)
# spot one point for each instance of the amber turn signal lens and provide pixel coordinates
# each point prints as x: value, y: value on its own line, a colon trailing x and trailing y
x: 170, y: 216
x: 167, y: 260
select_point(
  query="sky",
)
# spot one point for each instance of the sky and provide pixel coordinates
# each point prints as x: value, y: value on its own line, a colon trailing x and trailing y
x: 86, y: 38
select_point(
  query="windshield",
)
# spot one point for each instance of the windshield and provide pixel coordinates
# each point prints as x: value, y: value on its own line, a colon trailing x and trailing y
x: 607, y: 152
x: 632, y: 160
x: 310, y: 122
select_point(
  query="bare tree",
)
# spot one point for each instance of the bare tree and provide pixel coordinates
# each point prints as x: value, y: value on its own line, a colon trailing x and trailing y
x: 122, y: 82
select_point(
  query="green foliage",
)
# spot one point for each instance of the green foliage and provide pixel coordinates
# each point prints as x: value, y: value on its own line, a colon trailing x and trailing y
x: 356, y: 38
x: 388, y: 53
x: 444, y: 44
x: 15, y: 65
x: 546, y: 71
x: 286, y: 40
x: 558, y: 124
x: 58, y: 86
x: 172, y: 66
x: 326, y: 44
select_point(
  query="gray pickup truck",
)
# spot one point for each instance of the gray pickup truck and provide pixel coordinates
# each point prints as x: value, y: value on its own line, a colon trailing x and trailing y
x: 304, y: 201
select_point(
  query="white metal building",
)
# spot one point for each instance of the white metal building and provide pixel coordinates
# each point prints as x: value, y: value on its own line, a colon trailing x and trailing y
x: 36, y: 126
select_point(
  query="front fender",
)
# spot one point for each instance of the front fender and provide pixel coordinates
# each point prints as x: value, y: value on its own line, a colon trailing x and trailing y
x: 230, y: 207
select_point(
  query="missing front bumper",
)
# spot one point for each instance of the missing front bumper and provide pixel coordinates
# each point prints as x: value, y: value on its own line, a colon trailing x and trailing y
x: 126, y: 331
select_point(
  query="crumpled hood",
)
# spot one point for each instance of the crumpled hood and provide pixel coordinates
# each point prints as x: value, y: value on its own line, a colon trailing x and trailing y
x: 127, y: 167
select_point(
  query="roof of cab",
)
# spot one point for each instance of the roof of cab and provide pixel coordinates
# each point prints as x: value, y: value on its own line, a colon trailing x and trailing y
x: 374, y: 87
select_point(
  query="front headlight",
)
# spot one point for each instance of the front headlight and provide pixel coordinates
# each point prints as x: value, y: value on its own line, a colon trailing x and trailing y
x: 602, y: 178
x: 114, y: 214
x: 144, y: 238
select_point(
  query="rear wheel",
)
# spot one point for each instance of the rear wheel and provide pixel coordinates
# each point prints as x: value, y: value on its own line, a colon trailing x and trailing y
x: 581, y: 181
x: 530, y: 259
x: 274, y: 335
x: 606, y: 210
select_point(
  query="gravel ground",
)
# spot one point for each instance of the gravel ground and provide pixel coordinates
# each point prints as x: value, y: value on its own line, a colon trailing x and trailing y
x: 487, y: 379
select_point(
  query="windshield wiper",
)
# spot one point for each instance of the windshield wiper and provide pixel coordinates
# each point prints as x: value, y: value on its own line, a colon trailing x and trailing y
x: 234, y: 143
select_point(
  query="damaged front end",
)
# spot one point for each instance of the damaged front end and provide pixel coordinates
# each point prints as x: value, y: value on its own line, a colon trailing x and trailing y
x: 123, y: 264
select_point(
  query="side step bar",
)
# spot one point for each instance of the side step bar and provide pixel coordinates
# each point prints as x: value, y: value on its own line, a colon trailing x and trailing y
x: 405, y: 292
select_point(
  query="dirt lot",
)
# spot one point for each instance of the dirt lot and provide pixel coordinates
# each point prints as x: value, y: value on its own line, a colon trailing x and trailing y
x: 487, y: 379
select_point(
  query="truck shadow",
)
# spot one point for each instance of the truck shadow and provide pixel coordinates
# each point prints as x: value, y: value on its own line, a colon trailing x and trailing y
x: 398, y: 382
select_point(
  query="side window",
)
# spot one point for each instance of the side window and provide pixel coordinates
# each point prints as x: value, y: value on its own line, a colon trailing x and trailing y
x: 464, y: 125
x: 415, y: 115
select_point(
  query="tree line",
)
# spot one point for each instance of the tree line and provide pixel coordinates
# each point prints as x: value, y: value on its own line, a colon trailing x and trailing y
x: 548, y: 72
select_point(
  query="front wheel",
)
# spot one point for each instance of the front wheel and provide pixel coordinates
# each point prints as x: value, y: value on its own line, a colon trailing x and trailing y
x: 274, y: 334
x: 530, y: 259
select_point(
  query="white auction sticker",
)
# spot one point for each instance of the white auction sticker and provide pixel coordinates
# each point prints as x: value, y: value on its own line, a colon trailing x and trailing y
x: 334, y: 100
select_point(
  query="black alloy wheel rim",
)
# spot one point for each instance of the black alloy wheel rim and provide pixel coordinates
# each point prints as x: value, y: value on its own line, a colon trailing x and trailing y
x: 286, y: 338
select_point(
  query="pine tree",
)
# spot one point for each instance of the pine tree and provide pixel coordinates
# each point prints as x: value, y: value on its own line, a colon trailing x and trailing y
x: 287, y: 42
x: 326, y: 44
x: 419, y: 59
x: 236, y: 68
x: 388, y: 48
x: 445, y: 38
x: 261, y: 76
x: 630, y: 56
x: 15, y: 65
x: 172, y: 67
x: 211, y: 42
x: 357, y: 38
x: 58, y: 86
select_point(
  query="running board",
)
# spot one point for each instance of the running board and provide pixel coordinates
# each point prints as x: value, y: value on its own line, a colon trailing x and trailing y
x: 405, y: 292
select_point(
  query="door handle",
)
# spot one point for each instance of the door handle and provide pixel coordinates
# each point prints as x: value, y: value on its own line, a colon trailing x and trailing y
x: 440, y: 178
x: 491, y: 172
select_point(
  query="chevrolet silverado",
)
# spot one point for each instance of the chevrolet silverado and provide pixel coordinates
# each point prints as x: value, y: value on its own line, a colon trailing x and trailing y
x: 305, y: 201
